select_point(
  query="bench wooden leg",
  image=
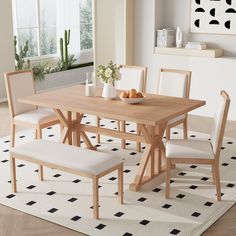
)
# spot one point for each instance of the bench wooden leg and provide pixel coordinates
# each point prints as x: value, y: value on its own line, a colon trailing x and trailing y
x: 120, y: 184
x: 123, y: 129
x: 98, y: 125
x: 40, y: 167
x: 13, y: 174
x: 168, y: 168
x: 95, y: 198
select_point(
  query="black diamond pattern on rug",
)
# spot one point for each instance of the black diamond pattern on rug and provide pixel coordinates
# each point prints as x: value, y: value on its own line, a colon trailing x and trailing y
x: 52, y: 210
x: 142, y: 199
x: 180, y: 196
x: 100, y: 226
x: 175, y: 232
x: 208, y: 204
x: 166, y: 206
x: 119, y: 214
x: 196, y: 214
x: 75, y: 218
x: 156, y: 190
x: 10, y: 196
x: 193, y: 187
x: 51, y: 193
x: 31, y: 203
x: 144, y: 222
x: 31, y: 187
x: 73, y: 199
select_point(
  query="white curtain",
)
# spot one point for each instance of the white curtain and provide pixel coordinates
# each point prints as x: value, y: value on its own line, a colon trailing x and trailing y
x: 68, y: 17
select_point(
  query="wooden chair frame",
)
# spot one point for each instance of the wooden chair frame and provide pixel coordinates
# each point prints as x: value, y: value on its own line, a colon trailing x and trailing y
x: 121, y: 125
x: 213, y: 162
x: 38, y: 128
x: 183, y: 121
x: 95, y: 178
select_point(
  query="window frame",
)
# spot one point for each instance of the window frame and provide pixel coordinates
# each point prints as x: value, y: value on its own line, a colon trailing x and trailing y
x: 83, y: 53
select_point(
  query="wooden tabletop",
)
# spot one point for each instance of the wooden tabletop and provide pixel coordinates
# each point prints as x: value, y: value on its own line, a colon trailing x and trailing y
x: 155, y: 109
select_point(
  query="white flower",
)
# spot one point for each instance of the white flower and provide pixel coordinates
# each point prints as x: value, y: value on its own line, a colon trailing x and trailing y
x: 108, y: 72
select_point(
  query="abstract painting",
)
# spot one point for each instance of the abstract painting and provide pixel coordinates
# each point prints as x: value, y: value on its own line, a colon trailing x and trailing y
x: 213, y: 16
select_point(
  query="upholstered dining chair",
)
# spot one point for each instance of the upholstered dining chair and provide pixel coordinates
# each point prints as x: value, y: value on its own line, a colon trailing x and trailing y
x: 20, y: 84
x: 200, y: 152
x: 132, y: 77
x: 175, y: 83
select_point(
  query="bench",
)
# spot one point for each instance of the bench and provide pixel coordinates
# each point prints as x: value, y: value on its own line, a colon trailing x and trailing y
x: 75, y: 160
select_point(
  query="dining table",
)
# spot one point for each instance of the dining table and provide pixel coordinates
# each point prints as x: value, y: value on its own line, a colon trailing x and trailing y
x: 151, y: 116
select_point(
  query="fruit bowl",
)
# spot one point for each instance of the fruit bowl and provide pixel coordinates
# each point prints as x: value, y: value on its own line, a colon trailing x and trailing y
x: 132, y: 100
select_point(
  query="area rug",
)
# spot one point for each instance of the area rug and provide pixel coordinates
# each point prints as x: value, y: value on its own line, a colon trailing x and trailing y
x: 66, y: 199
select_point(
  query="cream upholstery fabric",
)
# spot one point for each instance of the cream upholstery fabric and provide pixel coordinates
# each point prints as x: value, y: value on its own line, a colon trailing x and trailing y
x: 172, y: 84
x: 85, y: 160
x: 37, y: 116
x: 21, y: 85
x: 217, y: 123
x: 176, y: 119
x: 131, y: 78
x: 189, y: 149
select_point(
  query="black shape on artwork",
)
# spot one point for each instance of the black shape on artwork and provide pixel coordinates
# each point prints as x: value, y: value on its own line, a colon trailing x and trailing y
x: 214, y: 22
x: 227, y: 24
x: 213, y: 12
x: 198, y: 1
x: 197, y: 23
x: 230, y: 10
x: 200, y: 9
x: 229, y: 2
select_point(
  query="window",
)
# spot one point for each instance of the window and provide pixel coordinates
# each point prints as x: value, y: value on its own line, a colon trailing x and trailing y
x: 42, y: 23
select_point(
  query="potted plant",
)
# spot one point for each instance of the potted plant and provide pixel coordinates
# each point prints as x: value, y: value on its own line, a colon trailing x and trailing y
x: 108, y: 74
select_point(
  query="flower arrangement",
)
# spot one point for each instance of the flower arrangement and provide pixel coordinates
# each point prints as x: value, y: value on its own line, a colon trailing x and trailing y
x: 108, y: 73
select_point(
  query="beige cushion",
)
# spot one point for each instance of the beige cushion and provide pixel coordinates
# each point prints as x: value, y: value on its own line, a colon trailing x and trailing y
x: 172, y: 84
x: 36, y: 117
x: 176, y: 119
x: 85, y: 160
x: 131, y: 78
x: 189, y: 149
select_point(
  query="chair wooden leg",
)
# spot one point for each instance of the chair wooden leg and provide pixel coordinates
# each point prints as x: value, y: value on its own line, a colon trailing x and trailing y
x: 40, y: 167
x: 123, y: 129
x: 168, y: 168
x: 213, y: 175
x: 13, y: 135
x: 217, y: 180
x: 95, y: 198
x: 167, y: 133
x: 185, y: 128
x: 138, y: 145
x: 13, y: 174
x: 120, y: 184
x: 98, y: 125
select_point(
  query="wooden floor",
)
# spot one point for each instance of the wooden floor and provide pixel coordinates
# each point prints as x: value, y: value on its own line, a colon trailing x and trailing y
x: 16, y: 223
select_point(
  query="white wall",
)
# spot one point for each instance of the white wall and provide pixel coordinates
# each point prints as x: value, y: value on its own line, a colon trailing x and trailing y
x: 113, y: 20
x: 209, y: 75
x: 6, y: 44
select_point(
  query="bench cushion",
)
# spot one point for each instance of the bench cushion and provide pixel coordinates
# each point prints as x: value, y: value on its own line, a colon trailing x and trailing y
x: 85, y: 160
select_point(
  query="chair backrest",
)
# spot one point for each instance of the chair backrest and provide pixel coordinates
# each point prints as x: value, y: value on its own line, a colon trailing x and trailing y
x: 133, y: 77
x: 219, y: 123
x: 19, y: 84
x: 175, y: 83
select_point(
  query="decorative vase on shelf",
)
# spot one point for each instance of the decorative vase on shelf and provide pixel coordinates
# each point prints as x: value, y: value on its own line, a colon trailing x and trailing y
x: 179, y: 37
x: 109, y: 91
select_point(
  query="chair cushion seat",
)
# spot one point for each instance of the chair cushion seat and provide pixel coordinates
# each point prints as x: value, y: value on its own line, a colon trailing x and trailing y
x: 84, y: 160
x: 189, y: 149
x: 176, y: 119
x: 37, y: 116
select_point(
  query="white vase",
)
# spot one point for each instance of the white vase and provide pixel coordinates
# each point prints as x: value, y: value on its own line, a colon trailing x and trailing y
x: 109, y: 91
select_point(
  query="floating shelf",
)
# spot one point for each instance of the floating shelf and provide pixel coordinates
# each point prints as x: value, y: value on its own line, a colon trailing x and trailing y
x: 191, y: 52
